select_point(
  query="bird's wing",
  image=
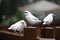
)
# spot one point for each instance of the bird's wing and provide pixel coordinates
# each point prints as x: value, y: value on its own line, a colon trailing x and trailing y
x: 33, y: 17
x: 14, y: 25
x: 30, y: 20
x: 48, y: 20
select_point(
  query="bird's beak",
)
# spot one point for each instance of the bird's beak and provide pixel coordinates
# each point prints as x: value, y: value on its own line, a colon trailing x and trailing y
x: 54, y: 15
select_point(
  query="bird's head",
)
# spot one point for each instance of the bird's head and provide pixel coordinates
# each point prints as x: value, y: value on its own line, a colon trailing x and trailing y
x: 53, y: 14
x: 24, y: 23
x: 26, y: 12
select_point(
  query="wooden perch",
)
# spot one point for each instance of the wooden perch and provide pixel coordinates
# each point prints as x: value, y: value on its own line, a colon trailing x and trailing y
x: 57, y: 33
x: 5, y: 35
x: 30, y: 33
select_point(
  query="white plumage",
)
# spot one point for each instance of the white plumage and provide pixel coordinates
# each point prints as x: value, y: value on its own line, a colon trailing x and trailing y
x: 30, y: 18
x: 18, y: 26
x: 48, y: 19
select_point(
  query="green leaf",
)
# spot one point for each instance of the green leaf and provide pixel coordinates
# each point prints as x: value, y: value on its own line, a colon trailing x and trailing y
x: 20, y: 15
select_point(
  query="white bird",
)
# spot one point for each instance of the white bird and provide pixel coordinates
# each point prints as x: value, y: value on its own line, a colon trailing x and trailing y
x: 18, y: 26
x: 30, y: 18
x: 48, y: 19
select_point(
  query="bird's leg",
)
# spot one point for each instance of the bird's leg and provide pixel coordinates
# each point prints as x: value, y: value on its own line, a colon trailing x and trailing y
x: 43, y: 28
x: 16, y: 32
x: 20, y: 31
x: 31, y: 25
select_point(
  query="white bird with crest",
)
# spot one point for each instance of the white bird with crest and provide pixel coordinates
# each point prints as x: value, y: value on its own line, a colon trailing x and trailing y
x: 31, y: 18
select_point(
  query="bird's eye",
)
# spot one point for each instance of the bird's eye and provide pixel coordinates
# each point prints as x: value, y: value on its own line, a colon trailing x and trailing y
x: 25, y: 12
x: 22, y: 22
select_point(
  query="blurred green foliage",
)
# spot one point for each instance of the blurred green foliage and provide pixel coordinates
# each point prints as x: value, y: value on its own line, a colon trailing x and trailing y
x: 19, y: 16
x: 10, y: 20
x: 36, y: 15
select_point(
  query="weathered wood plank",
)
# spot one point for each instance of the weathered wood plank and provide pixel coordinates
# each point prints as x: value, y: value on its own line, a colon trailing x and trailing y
x: 30, y: 33
x: 5, y: 35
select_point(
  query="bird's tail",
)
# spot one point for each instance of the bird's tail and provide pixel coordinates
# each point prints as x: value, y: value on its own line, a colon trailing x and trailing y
x: 10, y: 27
x: 44, y: 23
